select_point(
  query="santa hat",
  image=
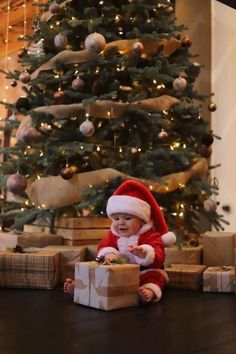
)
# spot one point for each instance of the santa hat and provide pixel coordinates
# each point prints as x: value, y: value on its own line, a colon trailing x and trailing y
x: 134, y: 198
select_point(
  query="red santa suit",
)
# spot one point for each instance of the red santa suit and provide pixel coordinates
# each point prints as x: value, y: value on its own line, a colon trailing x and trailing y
x: 152, y: 276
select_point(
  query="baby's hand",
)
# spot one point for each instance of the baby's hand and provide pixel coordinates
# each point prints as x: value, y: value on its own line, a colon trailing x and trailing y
x: 111, y: 256
x: 138, y: 251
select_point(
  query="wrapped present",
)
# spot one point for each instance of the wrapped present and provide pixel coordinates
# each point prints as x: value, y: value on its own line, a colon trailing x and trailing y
x: 37, y: 239
x: 185, y: 276
x: 91, y: 252
x: 106, y: 287
x: 219, y: 279
x: 7, y: 240
x: 36, y: 269
x: 69, y: 255
x: 218, y: 248
x: 183, y: 254
x: 76, y: 231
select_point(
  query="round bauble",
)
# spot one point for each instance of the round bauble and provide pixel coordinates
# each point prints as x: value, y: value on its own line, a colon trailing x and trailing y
x: 77, y: 84
x: 23, y: 103
x: 186, y: 42
x: 95, y: 42
x: 205, y: 151
x: 28, y: 134
x: 13, y: 83
x: 16, y: 183
x: 98, y: 87
x: 68, y: 172
x: 163, y: 135
x: 59, y: 96
x: 212, y: 107
x: 25, y: 77
x: 207, y: 139
x: 60, y: 41
x: 209, y: 205
x: 87, y: 128
x: 138, y: 47
x: 180, y: 84
x: 54, y: 8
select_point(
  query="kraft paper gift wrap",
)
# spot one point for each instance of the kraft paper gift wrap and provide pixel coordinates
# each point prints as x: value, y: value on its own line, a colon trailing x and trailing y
x: 218, y: 248
x: 68, y: 256
x: 183, y: 254
x: 185, y: 276
x: 38, y: 269
x: 106, y: 287
x: 37, y: 239
x: 219, y: 279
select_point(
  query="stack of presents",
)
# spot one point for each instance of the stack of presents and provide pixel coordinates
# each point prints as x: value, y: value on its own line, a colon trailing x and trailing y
x: 38, y: 259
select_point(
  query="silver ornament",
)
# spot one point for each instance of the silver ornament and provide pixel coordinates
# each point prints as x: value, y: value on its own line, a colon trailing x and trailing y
x: 60, y: 41
x: 137, y: 47
x: 95, y: 42
x: 77, y: 84
x: 24, y: 77
x: 54, y: 8
x: 87, y: 128
x: 209, y: 205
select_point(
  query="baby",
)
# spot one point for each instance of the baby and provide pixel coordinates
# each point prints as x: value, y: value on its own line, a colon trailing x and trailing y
x: 138, y: 233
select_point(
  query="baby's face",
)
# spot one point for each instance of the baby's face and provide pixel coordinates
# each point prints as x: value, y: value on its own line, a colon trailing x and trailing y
x: 125, y: 224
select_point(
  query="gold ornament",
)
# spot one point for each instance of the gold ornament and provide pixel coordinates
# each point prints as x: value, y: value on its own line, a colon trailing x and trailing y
x: 212, y: 107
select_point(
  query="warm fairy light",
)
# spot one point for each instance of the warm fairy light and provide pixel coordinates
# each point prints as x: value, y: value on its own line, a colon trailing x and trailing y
x: 151, y: 188
x: 181, y: 185
x: 184, y: 146
x: 120, y: 149
x: 41, y: 154
x: 27, y: 202
x: 181, y: 213
x: 139, y: 149
x: 174, y: 214
x: 154, y: 81
x: 117, y: 18
x: 98, y: 148
x: 101, y: 2
x: 38, y: 177
x: 43, y: 205
x: 22, y: 209
x: 90, y: 186
x: 161, y: 86
x: 81, y: 147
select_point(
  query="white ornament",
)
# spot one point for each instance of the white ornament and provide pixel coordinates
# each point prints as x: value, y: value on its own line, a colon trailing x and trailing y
x: 87, y: 128
x: 180, y: 84
x: 60, y: 41
x: 95, y: 42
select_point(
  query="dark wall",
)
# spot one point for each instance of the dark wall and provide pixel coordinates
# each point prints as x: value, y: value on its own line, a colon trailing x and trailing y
x: 231, y: 3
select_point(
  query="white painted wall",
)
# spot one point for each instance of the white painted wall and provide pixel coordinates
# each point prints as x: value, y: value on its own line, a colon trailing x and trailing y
x: 224, y: 119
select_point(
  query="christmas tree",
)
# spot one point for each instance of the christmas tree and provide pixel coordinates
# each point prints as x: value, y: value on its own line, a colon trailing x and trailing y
x: 109, y: 95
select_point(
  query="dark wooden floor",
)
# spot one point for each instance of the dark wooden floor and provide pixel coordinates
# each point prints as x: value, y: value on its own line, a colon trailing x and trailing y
x: 184, y: 322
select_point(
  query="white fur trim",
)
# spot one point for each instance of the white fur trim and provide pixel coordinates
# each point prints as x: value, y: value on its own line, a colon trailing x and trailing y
x: 168, y: 239
x: 129, y: 205
x: 149, y: 259
x: 107, y: 250
x: 156, y: 290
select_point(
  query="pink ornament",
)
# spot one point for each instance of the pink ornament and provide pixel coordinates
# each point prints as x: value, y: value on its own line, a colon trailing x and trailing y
x: 163, y: 135
x: 138, y: 47
x: 25, y: 77
x: 77, y: 84
x: 209, y: 205
x: 180, y: 84
x: 87, y: 128
x: 54, y: 8
x: 28, y: 134
x: 60, y: 41
x: 95, y: 42
x: 16, y: 183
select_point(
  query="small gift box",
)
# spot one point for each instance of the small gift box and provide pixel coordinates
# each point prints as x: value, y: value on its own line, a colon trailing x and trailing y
x: 219, y: 279
x: 185, y: 276
x: 218, y: 248
x: 69, y: 255
x: 37, y: 239
x: 106, y: 287
x: 34, y: 269
x: 183, y: 254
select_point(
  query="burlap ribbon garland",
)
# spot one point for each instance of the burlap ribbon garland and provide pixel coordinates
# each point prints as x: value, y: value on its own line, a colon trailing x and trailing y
x: 124, y: 46
x: 54, y: 191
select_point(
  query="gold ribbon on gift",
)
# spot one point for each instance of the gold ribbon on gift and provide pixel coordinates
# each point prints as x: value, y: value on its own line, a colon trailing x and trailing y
x: 124, y: 46
x: 54, y: 191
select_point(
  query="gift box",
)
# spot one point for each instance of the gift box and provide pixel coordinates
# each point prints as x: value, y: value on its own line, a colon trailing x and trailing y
x: 91, y: 252
x: 106, y: 287
x: 68, y: 256
x: 76, y: 231
x: 37, y: 239
x: 185, y: 276
x: 183, y: 254
x: 218, y: 248
x: 219, y: 279
x: 38, y: 269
